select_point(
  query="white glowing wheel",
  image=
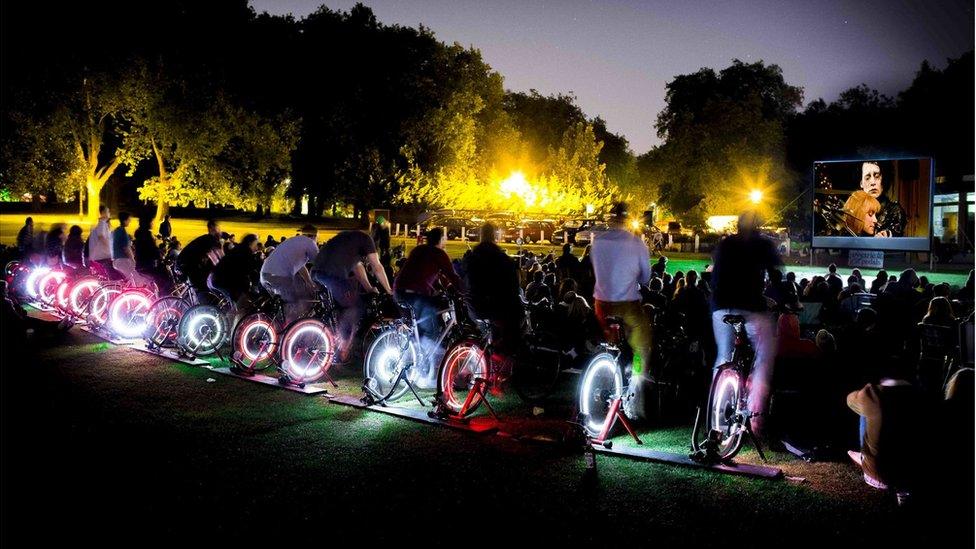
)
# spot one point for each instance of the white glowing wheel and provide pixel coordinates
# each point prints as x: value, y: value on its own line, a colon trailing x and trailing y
x: 307, y: 350
x: 33, y: 280
x: 47, y: 286
x: 602, y: 382
x: 99, y: 303
x: 127, y: 313
x: 81, y: 293
x: 388, y: 354
x: 202, y: 330
x: 62, y: 295
x: 724, y: 414
x: 464, y: 363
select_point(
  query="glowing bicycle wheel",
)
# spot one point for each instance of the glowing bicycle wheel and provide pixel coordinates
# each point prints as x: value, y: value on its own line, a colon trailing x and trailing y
x: 202, y: 330
x: 602, y: 382
x: 163, y: 320
x: 47, y: 287
x: 463, y: 365
x: 723, y: 411
x: 388, y: 354
x: 255, y: 340
x: 99, y: 303
x: 80, y: 294
x: 33, y: 281
x: 127, y: 314
x: 307, y: 350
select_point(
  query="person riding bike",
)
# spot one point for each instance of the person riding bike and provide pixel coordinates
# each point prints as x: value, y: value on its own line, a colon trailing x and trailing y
x: 285, y: 272
x: 621, y: 263
x: 740, y: 265
x: 492, y: 280
x: 340, y: 267
x: 416, y: 285
x: 238, y: 269
x: 198, y: 258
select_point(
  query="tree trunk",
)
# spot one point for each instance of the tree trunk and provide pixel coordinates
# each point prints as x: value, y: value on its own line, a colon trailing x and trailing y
x: 162, y: 210
x: 81, y: 201
x: 93, y: 189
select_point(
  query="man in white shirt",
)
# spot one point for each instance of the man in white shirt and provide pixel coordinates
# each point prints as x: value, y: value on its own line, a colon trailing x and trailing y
x: 621, y: 263
x: 100, y: 243
x: 285, y: 272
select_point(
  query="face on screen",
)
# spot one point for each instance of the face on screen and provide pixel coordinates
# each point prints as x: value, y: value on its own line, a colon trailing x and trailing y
x: 871, y: 179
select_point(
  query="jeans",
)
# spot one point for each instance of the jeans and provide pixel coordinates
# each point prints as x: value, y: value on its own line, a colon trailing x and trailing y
x: 761, y: 329
x: 293, y: 290
x: 425, y: 310
x: 637, y: 325
x: 345, y: 293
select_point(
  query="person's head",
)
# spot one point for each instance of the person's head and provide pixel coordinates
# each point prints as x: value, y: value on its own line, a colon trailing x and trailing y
x: 861, y: 213
x: 871, y: 179
x: 825, y: 342
x: 856, y: 273
x: 866, y: 318
x: 124, y: 219
x: 146, y: 221
x: 549, y: 279
x: 103, y: 212
x: 678, y: 275
x: 749, y: 222
x: 618, y: 214
x: 666, y: 278
x: 166, y: 217
x: 692, y: 277
x: 940, y: 309
x: 791, y: 276
x: 74, y: 231
x: 775, y: 276
x: 855, y: 288
x: 832, y: 268
x: 175, y: 244
x: 882, y: 276
x: 910, y: 278
x: 213, y: 227
x: 537, y: 277
x: 308, y: 230
x: 960, y: 387
x: 656, y: 285
x: 923, y: 281
x: 281, y: 238
x: 487, y: 233
x: 29, y: 222
x: 942, y: 290
x: 435, y: 237
x: 567, y: 249
x: 662, y: 260
x: 250, y: 241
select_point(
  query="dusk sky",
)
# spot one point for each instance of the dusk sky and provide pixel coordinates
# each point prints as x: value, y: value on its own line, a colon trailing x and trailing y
x: 617, y: 56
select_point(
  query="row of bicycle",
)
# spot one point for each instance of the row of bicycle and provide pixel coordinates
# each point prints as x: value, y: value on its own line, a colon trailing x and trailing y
x: 463, y: 355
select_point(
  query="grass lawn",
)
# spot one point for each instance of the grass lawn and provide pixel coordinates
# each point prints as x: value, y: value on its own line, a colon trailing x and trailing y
x: 103, y: 442
x: 187, y: 229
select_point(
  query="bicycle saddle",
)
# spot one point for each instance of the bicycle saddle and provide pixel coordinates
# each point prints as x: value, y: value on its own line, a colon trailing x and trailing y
x: 733, y: 319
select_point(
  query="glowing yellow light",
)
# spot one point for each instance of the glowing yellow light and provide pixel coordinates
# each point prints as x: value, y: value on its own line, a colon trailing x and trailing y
x: 755, y: 196
x: 634, y: 224
x: 590, y: 208
x: 517, y: 185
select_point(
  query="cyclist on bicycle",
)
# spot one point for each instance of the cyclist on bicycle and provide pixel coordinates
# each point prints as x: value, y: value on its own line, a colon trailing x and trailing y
x: 341, y: 267
x: 238, y: 269
x: 198, y: 258
x: 285, y: 272
x: 621, y: 263
x: 741, y: 262
x: 416, y: 284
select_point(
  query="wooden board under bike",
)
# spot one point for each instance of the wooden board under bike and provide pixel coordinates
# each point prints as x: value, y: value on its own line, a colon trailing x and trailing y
x: 646, y: 454
x: 310, y: 389
x: 474, y: 425
x: 169, y: 354
x: 100, y: 334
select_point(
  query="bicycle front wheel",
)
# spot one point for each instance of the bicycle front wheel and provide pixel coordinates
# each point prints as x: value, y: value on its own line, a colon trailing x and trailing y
x: 724, y: 413
x: 535, y: 375
x: 463, y: 366
x: 307, y: 350
x: 99, y: 303
x: 163, y: 320
x: 602, y: 383
x: 390, y: 353
x: 127, y: 313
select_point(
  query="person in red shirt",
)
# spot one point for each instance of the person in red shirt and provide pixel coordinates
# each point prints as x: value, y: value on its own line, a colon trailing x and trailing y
x: 418, y: 283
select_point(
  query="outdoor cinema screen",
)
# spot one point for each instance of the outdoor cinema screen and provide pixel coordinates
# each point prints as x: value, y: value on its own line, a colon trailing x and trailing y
x: 883, y: 204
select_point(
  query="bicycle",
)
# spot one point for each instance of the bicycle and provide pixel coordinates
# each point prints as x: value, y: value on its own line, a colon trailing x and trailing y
x: 202, y: 329
x: 308, y: 346
x: 727, y: 415
x: 256, y: 336
x: 604, y: 387
x: 392, y: 356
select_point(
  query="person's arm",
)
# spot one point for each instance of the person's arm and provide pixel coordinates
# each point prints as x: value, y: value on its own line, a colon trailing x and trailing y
x: 378, y: 271
x: 359, y: 271
x: 447, y: 269
x: 130, y: 250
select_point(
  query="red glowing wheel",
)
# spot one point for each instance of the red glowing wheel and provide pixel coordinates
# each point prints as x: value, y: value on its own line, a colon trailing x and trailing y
x: 463, y: 365
x: 307, y: 350
x: 80, y: 294
x: 255, y: 341
x: 47, y: 287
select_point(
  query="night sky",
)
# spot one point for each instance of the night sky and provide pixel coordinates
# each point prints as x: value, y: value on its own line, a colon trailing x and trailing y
x: 617, y: 56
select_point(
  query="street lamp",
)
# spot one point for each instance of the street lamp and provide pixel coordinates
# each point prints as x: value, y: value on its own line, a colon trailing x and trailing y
x: 755, y: 196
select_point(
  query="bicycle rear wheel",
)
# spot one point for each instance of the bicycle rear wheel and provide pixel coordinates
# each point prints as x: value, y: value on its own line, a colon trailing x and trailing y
x: 255, y: 341
x: 202, y: 330
x: 163, y: 320
x: 724, y: 414
x: 127, y: 313
x: 602, y: 382
x: 390, y: 353
x: 99, y: 303
x: 307, y: 350
x: 463, y: 365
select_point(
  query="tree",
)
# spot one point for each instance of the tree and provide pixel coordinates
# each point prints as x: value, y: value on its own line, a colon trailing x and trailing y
x: 723, y: 136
